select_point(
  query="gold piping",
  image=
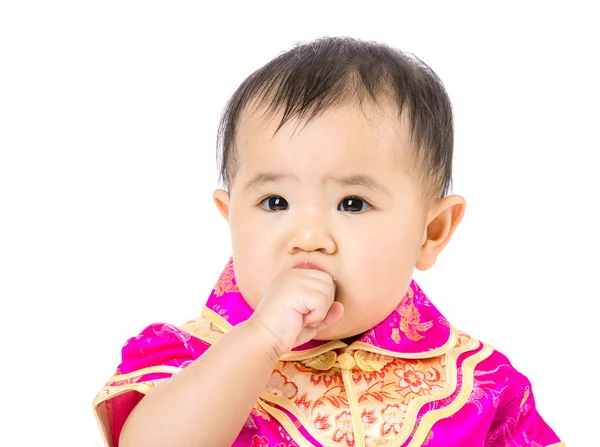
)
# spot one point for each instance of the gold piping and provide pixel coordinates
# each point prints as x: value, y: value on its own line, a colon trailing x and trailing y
x: 287, y: 424
x: 433, y: 416
x: 141, y: 372
x: 142, y: 387
x: 359, y: 435
x: 217, y: 319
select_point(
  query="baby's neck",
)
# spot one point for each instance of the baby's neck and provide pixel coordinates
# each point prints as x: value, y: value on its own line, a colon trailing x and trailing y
x: 350, y: 340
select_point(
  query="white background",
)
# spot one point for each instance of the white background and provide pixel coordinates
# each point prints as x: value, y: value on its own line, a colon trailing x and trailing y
x: 108, y: 120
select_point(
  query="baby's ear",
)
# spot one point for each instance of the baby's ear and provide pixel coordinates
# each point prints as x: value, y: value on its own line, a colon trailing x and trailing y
x: 221, y: 199
x: 442, y: 221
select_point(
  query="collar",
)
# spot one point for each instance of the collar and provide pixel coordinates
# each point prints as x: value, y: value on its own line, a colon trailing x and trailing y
x: 415, y: 329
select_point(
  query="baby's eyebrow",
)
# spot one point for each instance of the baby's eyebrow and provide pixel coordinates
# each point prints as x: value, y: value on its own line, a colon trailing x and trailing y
x: 265, y: 177
x: 362, y: 180
x: 365, y: 181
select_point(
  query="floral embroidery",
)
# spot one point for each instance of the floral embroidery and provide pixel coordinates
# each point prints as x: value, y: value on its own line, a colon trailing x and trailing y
x: 368, y: 377
x: 279, y: 386
x: 335, y: 396
x: 322, y: 422
x: 343, y: 422
x: 411, y: 378
x: 368, y: 417
x: 379, y: 391
x: 396, y: 335
x: 226, y: 282
x: 392, y: 417
x: 482, y: 389
x: 262, y: 441
x: 328, y: 378
x: 258, y: 411
x: 303, y: 403
x: 125, y: 382
x: 259, y: 441
x: 384, y: 397
x: 410, y: 318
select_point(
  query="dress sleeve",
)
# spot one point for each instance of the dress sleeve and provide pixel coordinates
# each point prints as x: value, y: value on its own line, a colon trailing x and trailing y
x: 517, y: 421
x: 157, y: 353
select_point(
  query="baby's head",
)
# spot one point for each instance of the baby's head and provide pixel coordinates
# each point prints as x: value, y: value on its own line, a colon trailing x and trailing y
x: 339, y: 153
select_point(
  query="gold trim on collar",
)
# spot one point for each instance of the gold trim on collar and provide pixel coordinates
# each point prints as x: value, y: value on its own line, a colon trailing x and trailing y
x: 452, y: 339
x: 294, y: 356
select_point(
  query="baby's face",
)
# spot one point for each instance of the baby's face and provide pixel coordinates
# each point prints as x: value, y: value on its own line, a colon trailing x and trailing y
x: 336, y: 193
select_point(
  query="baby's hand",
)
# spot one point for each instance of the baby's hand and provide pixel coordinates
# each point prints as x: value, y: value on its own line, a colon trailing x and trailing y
x: 298, y: 304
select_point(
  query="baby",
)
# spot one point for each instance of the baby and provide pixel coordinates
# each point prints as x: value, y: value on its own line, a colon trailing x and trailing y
x: 336, y: 158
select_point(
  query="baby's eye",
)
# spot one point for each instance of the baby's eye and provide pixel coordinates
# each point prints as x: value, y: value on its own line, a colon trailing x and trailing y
x: 353, y: 204
x: 274, y: 203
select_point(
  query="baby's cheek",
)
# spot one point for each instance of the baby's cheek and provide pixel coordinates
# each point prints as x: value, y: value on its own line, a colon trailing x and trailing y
x: 248, y: 287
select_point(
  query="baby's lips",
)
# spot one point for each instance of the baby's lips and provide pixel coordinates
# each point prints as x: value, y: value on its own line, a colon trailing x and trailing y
x: 309, y: 265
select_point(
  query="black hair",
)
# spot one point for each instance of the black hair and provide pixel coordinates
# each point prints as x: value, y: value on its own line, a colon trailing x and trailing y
x: 312, y: 77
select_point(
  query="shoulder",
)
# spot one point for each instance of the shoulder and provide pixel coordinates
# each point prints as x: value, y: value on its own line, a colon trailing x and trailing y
x: 497, y: 370
x: 160, y: 344
x: 494, y: 371
x: 515, y: 416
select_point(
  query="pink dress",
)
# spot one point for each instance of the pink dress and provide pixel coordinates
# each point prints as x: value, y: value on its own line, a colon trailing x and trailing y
x: 412, y: 380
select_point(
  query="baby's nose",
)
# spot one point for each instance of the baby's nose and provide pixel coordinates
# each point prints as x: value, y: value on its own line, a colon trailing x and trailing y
x: 311, y: 235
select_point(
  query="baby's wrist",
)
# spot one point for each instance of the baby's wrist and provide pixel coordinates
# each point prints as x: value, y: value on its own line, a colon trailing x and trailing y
x: 265, y: 338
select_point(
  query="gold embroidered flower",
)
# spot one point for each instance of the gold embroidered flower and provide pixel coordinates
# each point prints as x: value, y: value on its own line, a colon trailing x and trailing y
x: 343, y: 422
x: 392, y: 419
x: 225, y: 283
x: 279, y: 386
x: 396, y: 335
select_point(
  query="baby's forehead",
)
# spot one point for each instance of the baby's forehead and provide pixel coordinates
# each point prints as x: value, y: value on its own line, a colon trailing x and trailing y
x: 367, y: 118
x: 344, y: 142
